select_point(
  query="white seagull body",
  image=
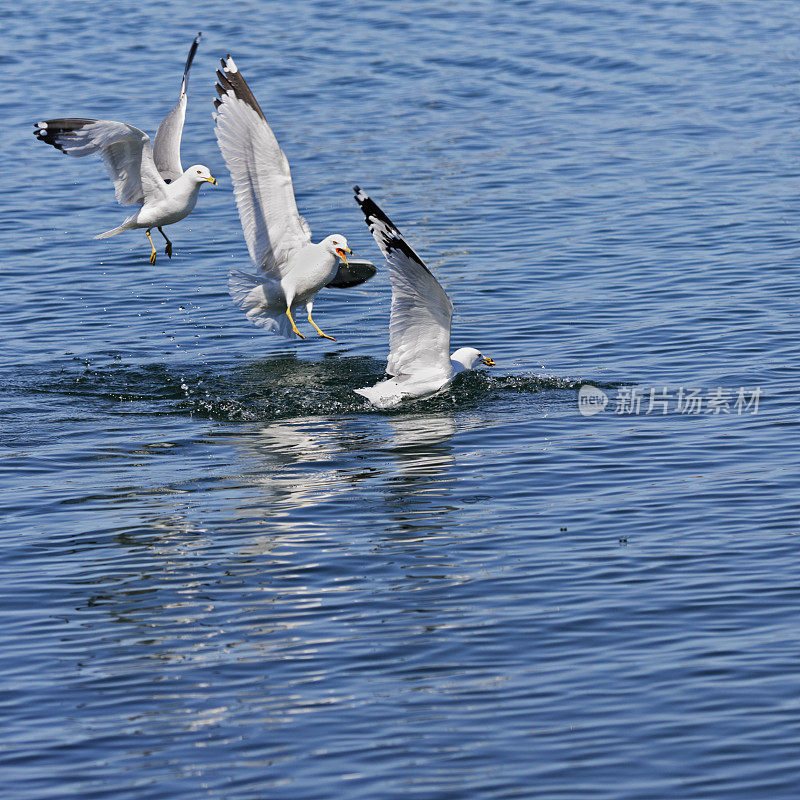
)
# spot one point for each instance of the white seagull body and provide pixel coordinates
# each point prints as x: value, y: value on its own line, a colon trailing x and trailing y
x: 291, y: 269
x: 147, y: 175
x: 419, y: 322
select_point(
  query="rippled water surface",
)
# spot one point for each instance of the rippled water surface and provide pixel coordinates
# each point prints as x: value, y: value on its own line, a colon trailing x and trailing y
x: 225, y: 576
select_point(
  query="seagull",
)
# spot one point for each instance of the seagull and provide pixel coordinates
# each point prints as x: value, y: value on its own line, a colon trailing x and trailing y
x: 143, y: 174
x: 419, y: 322
x: 291, y: 269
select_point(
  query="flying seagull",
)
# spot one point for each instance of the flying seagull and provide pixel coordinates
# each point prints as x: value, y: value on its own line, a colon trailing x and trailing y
x: 419, y: 321
x: 144, y: 175
x: 291, y: 270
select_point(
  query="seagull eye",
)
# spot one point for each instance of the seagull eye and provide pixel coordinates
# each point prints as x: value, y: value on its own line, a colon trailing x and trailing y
x: 198, y: 172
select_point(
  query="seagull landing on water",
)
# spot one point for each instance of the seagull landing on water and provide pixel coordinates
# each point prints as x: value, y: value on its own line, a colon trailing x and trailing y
x: 419, y: 322
x: 291, y: 270
x: 145, y: 175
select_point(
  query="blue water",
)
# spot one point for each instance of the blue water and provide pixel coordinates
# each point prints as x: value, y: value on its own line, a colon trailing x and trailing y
x: 225, y: 576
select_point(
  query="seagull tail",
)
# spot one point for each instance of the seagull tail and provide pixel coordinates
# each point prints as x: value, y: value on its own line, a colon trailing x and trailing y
x: 367, y: 391
x: 383, y: 394
x: 247, y: 292
x: 126, y: 226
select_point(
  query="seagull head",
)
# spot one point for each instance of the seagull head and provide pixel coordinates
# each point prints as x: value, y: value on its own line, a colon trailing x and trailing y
x: 337, y: 245
x: 200, y: 174
x: 468, y: 357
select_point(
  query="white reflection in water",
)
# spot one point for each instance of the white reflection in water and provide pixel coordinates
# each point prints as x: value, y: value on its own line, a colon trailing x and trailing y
x: 417, y: 488
x: 419, y: 431
x: 422, y: 452
x: 295, y: 441
x: 282, y: 552
x: 300, y: 465
x: 295, y: 465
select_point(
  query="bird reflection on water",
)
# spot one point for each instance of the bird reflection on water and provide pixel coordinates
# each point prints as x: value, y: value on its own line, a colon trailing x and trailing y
x: 317, y: 463
x: 422, y: 482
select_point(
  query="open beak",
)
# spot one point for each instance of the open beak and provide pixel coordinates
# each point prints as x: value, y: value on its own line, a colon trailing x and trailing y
x: 340, y: 253
x: 212, y: 180
x: 488, y: 361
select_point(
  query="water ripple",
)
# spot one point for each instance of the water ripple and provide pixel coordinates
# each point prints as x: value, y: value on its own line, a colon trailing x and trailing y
x: 226, y: 576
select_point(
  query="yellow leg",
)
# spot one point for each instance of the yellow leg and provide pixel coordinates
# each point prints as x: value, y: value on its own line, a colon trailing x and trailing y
x: 317, y: 329
x: 152, y: 246
x: 294, y: 327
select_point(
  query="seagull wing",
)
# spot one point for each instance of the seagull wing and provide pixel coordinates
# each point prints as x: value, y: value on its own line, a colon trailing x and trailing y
x: 167, y: 144
x: 125, y: 150
x: 419, y: 323
x: 262, y: 183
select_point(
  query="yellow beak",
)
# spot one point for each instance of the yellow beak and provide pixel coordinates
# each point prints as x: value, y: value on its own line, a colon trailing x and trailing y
x: 212, y: 180
x: 488, y: 361
x: 340, y: 253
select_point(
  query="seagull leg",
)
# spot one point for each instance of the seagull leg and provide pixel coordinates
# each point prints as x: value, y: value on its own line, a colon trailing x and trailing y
x: 294, y: 327
x: 152, y: 246
x: 168, y: 248
x: 309, y: 306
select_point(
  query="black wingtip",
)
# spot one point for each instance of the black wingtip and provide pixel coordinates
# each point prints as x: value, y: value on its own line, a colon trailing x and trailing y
x: 233, y: 83
x: 390, y: 237
x: 360, y: 196
x: 190, y: 57
x: 223, y: 84
x: 41, y: 132
x: 57, y: 131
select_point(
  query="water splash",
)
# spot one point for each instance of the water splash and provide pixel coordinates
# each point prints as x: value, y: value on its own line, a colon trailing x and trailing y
x: 268, y: 389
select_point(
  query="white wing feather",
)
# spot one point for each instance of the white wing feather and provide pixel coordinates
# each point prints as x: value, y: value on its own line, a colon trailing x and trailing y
x: 167, y: 143
x: 126, y: 151
x: 419, y: 323
x: 262, y: 182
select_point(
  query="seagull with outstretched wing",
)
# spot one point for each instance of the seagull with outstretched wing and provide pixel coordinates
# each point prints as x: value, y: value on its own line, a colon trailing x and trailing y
x: 146, y: 175
x: 291, y: 269
x: 419, y: 322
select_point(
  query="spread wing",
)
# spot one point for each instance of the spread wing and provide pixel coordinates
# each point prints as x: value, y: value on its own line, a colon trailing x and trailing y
x: 262, y: 183
x: 419, y: 324
x: 125, y: 150
x: 167, y: 144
